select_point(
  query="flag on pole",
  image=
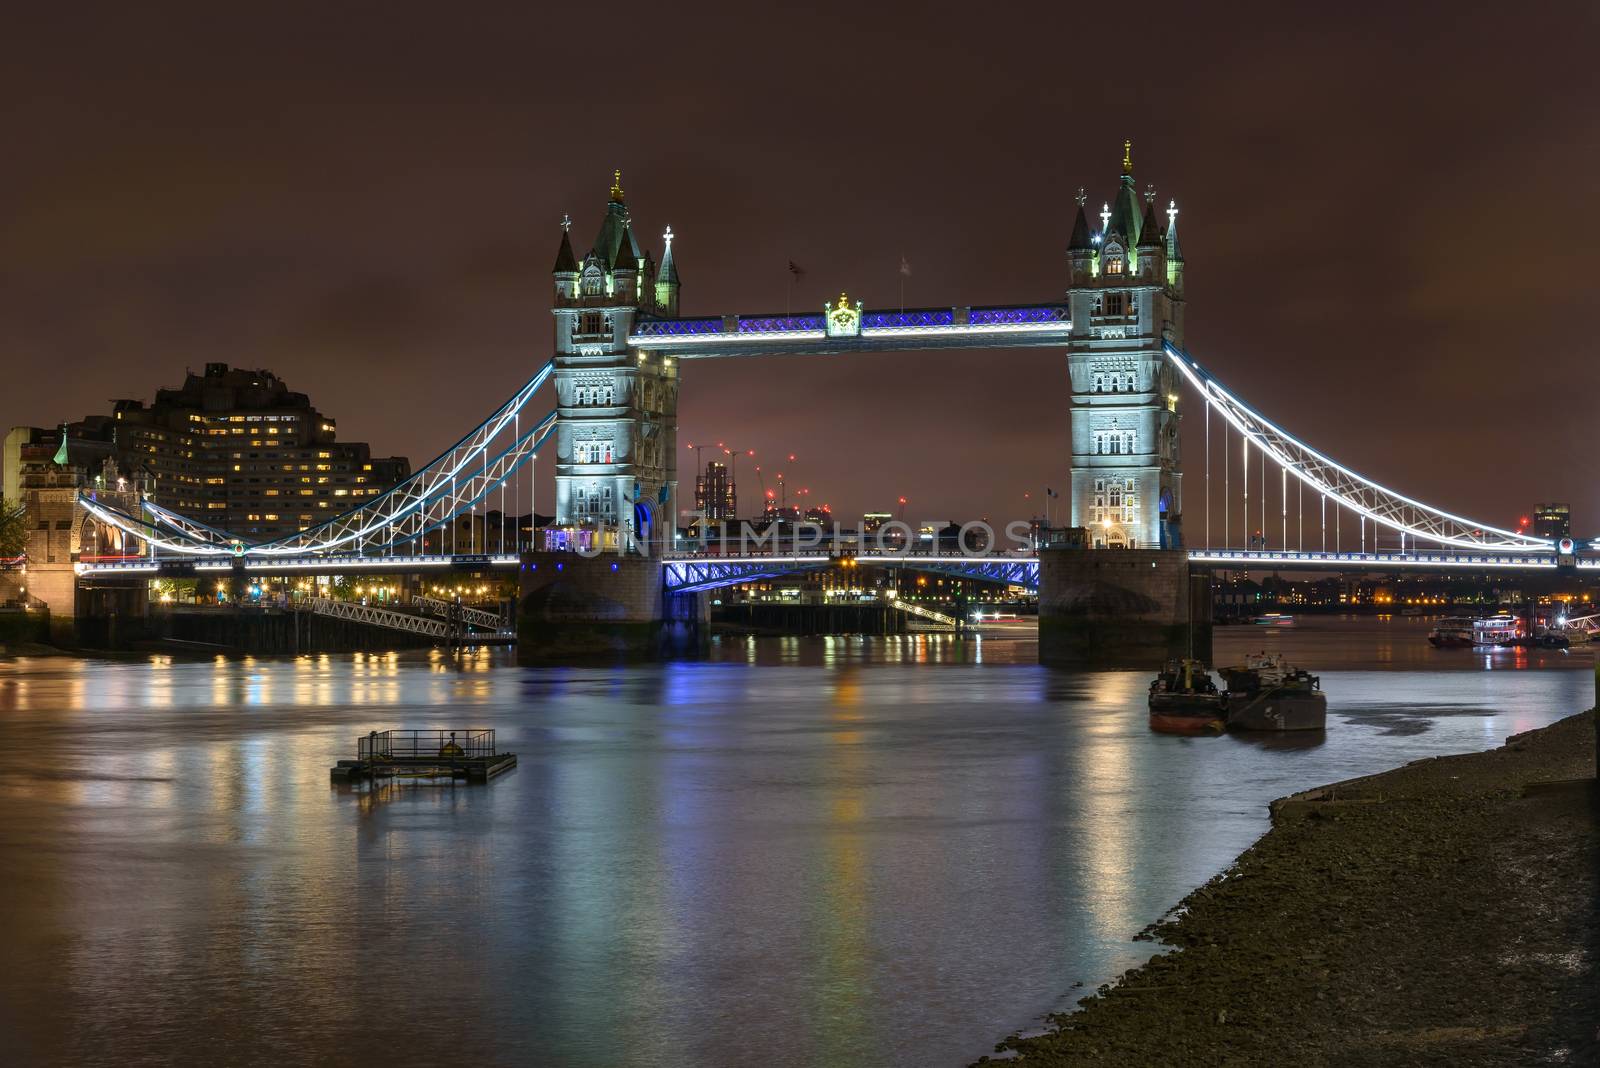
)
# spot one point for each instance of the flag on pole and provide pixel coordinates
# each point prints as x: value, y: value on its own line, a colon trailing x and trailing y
x: 905, y: 267
x: 1048, y: 492
x: 794, y: 269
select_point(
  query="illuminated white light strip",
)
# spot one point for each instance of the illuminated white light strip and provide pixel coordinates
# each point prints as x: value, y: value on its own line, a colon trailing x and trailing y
x: 1230, y: 407
x: 114, y: 569
x: 1373, y: 560
x: 332, y: 567
x: 144, y: 533
x: 418, y: 493
x: 958, y: 330
x: 650, y: 341
x: 1055, y: 326
x: 475, y: 444
x: 862, y: 558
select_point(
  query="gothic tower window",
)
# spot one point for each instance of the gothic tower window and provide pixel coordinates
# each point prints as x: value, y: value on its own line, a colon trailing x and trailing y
x: 591, y: 282
x: 1113, y: 303
x: 1113, y: 259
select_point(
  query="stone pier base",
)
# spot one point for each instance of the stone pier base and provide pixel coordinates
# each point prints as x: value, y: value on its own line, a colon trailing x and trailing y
x: 1107, y: 609
x: 575, y: 609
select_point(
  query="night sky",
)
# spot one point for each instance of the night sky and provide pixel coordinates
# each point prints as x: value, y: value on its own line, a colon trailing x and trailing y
x: 1387, y: 217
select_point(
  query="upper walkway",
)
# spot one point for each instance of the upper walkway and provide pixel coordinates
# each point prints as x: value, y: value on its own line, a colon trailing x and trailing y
x: 1006, y: 326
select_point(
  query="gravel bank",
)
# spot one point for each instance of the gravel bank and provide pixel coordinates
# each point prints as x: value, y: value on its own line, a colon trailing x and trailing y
x: 1441, y: 913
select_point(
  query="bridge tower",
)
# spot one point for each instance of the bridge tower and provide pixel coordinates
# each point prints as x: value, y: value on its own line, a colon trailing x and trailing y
x: 616, y: 451
x: 1126, y: 296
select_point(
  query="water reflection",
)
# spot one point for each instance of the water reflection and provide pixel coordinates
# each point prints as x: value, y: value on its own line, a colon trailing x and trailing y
x: 880, y: 850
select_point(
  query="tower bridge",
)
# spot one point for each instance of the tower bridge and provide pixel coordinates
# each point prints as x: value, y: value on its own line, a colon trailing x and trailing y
x: 619, y: 340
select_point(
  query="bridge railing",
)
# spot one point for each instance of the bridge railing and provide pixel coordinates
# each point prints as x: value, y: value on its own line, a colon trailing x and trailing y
x: 763, y: 551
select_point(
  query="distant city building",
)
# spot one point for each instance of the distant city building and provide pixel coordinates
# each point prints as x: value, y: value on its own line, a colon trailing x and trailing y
x: 872, y: 522
x: 1552, y: 521
x: 715, y: 495
x: 234, y: 448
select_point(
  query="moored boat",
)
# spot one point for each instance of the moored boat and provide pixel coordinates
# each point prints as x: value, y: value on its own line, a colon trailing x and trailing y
x: 1542, y: 638
x: 1184, y: 700
x: 1265, y: 693
x: 1453, y: 632
x: 1496, y: 630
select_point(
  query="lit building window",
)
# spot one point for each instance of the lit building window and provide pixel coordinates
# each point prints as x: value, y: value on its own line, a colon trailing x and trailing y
x: 1113, y: 443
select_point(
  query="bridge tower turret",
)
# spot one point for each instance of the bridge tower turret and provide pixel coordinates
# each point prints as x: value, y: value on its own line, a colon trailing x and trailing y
x: 616, y: 442
x: 1126, y: 296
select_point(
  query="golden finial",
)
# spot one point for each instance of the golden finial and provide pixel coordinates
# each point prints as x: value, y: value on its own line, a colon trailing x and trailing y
x: 844, y: 301
x: 1127, y: 157
x: 616, y: 186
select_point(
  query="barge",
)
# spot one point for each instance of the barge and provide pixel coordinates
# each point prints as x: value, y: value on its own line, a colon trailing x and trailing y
x: 1266, y: 694
x: 425, y: 753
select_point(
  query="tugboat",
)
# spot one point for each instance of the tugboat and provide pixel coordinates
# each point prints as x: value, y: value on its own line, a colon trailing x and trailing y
x: 1184, y: 700
x: 1267, y: 694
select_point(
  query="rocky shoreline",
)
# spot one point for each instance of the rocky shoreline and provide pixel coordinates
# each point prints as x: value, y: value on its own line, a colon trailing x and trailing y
x: 1445, y: 912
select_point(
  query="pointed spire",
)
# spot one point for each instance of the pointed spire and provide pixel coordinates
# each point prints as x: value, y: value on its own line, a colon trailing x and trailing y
x: 1124, y: 208
x: 1174, y: 252
x: 1150, y: 229
x: 669, y: 263
x: 627, y: 257
x: 1080, y: 232
x: 566, y: 262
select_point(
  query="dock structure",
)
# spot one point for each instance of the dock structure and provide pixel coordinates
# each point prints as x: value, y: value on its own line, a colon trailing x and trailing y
x: 432, y: 752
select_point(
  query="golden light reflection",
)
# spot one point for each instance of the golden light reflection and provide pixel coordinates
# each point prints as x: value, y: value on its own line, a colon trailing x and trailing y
x: 1103, y: 770
x: 843, y: 920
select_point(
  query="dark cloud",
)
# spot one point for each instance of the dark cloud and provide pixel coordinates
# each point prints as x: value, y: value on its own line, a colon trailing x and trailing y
x: 1383, y: 213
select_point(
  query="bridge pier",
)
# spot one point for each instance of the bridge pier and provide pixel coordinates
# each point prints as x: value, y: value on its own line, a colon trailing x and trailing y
x: 1108, y: 609
x: 574, y: 608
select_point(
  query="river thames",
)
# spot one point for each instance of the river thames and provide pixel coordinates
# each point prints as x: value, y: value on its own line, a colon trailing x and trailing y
x: 799, y: 852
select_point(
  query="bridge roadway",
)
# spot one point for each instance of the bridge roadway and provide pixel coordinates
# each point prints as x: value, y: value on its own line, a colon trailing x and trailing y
x: 174, y: 566
x: 695, y: 572
x: 704, y: 572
